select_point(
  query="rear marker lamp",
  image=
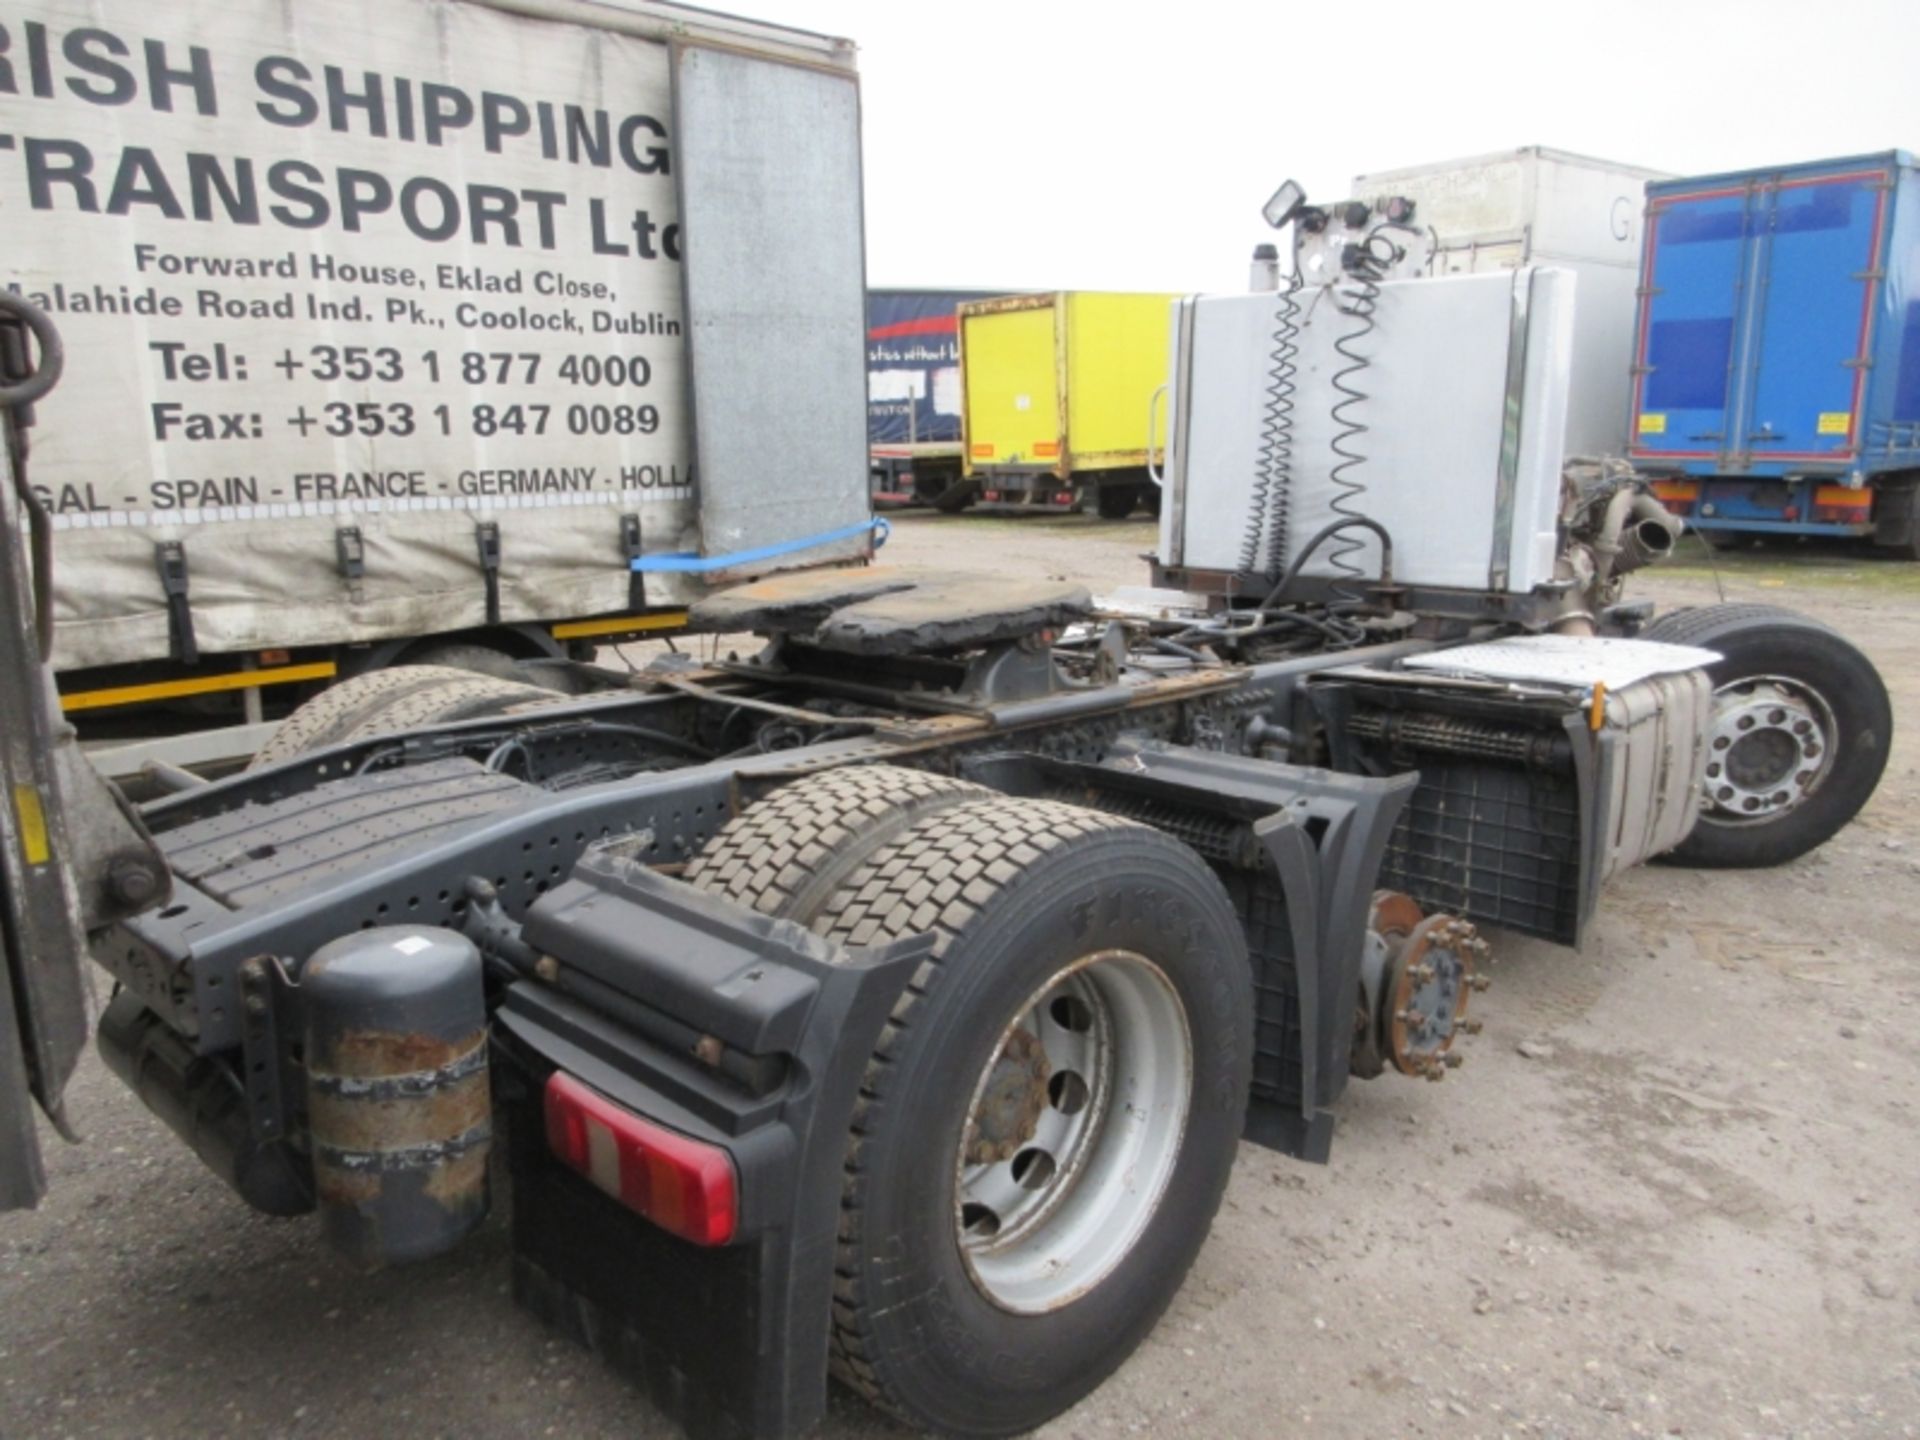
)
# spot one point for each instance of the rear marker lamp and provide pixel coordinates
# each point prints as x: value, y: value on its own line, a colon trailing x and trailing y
x: 684, y: 1186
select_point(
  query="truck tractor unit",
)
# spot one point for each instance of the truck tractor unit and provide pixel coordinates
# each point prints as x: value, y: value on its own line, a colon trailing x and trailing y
x: 1058, y: 392
x: 1776, y: 383
x: 888, y: 999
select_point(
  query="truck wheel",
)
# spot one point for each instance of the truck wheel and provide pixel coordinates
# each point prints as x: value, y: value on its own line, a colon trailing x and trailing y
x: 1116, y: 502
x: 1150, y: 497
x: 931, y: 481
x: 477, y: 659
x: 1048, y: 1122
x: 790, y: 852
x: 1800, y: 732
x: 397, y: 698
x: 960, y: 495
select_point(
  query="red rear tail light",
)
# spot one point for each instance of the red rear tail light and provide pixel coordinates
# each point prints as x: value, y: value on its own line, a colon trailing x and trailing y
x: 684, y: 1186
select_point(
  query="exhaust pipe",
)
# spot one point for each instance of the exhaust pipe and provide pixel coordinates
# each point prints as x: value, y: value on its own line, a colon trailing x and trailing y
x: 1648, y: 536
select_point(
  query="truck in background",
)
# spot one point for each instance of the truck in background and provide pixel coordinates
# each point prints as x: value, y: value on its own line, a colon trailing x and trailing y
x: 391, y: 417
x: 913, y: 397
x: 1777, y: 361
x: 1530, y: 206
x: 1056, y: 391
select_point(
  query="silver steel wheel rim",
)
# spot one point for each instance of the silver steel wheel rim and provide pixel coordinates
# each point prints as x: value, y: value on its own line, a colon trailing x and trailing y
x: 1073, y: 1131
x: 1770, y: 745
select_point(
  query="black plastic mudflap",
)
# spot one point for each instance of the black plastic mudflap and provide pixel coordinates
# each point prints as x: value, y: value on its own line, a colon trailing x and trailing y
x: 728, y: 1027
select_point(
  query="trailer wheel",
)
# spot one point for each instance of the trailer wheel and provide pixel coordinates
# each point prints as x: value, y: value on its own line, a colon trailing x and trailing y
x: 1800, y: 733
x: 400, y: 697
x: 1049, y: 1119
x: 788, y: 854
x: 931, y: 480
x: 474, y: 659
x: 961, y: 495
x: 1116, y: 502
x: 1896, y: 516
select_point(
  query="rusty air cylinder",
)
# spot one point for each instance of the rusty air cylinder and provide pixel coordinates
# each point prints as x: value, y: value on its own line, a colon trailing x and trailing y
x: 397, y: 1095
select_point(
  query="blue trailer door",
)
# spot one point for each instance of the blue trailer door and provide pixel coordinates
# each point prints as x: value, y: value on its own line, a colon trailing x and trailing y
x: 1697, y: 253
x: 1820, y: 243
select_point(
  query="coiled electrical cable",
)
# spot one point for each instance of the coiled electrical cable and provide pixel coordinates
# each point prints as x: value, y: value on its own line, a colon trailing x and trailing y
x: 1268, y: 512
x: 1357, y: 297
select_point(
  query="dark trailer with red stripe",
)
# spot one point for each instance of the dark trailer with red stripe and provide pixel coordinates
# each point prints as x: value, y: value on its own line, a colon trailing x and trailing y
x: 913, y: 397
x: 1777, y: 383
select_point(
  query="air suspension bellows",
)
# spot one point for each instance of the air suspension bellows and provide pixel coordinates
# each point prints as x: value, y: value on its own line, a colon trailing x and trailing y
x: 397, y: 1093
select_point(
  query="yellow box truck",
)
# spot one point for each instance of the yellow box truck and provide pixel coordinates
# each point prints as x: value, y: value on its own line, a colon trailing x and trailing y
x: 1056, y: 390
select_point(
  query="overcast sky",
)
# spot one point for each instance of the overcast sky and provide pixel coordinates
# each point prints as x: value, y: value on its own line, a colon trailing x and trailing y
x: 1110, y: 146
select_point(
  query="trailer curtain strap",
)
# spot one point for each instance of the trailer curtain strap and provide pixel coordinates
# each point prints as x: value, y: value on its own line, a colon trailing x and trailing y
x: 685, y: 562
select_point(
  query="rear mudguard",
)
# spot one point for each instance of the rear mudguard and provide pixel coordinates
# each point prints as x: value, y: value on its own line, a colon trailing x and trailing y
x: 729, y: 1340
x: 1320, y: 836
x: 753, y: 1034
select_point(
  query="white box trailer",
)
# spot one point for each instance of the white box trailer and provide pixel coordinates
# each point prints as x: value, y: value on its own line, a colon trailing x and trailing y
x: 380, y: 323
x: 1540, y: 206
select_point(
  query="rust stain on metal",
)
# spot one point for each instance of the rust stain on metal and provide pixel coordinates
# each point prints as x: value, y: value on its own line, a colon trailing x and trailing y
x: 1394, y: 914
x: 1010, y: 1103
x: 377, y: 1054
x: 460, y: 1184
x: 369, y: 1125
x: 358, y: 1189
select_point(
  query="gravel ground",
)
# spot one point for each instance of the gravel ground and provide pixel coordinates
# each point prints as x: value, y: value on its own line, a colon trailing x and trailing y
x: 1671, y: 1192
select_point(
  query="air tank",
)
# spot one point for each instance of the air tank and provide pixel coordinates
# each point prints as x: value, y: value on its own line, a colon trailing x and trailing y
x: 397, y: 1091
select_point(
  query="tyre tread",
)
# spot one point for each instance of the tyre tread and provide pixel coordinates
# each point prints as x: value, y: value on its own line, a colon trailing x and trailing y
x: 767, y: 856
x: 934, y: 879
x: 343, y: 711
x: 1695, y: 625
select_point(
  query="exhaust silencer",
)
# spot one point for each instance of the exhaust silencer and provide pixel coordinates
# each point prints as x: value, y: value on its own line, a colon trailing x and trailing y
x: 397, y: 1093
x: 201, y: 1100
